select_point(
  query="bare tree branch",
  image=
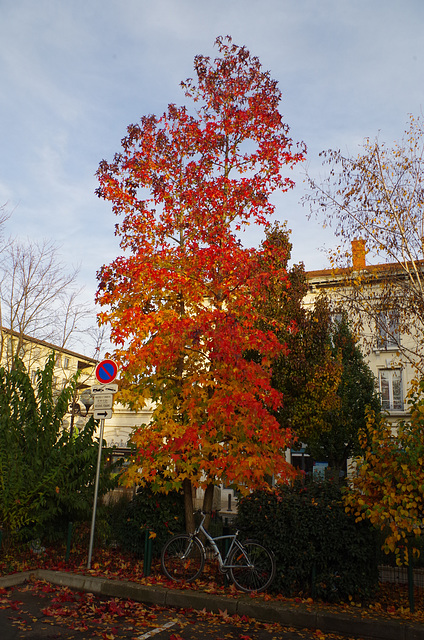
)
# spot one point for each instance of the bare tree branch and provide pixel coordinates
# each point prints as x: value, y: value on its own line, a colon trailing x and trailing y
x: 40, y: 297
x: 378, y: 196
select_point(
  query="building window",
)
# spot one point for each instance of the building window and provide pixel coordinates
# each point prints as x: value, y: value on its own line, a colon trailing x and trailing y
x: 387, y: 329
x: 302, y: 461
x: 65, y: 362
x: 390, y: 382
x: 336, y: 319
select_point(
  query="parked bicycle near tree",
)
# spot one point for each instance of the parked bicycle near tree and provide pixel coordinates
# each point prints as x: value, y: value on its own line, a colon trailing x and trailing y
x: 250, y: 566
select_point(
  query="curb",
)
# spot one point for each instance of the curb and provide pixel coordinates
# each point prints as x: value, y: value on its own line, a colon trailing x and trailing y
x: 298, y: 616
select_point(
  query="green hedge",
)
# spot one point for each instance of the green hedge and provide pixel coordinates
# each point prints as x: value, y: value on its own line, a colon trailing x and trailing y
x: 148, y: 511
x: 320, y: 551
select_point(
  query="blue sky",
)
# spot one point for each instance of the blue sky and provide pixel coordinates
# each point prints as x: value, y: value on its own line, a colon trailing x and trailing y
x: 75, y: 73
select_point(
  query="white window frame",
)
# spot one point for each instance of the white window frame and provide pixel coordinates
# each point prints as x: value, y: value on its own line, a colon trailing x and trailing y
x: 390, y: 384
x: 387, y: 330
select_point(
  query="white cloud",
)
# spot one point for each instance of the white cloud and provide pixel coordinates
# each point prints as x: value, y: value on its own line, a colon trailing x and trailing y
x: 74, y: 74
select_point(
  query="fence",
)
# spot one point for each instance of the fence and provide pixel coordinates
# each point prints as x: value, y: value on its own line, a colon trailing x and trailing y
x: 401, y: 584
x: 402, y: 579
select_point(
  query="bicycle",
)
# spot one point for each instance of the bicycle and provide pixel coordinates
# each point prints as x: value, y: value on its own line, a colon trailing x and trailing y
x: 250, y: 566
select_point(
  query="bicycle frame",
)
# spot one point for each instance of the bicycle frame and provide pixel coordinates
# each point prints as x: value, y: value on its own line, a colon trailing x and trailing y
x: 249, y: 565
x: 223, y: 563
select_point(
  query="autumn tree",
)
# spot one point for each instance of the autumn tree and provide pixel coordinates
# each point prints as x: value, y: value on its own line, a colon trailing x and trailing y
x: 388, y: 489
x: 378, y: 196
x: 180, y: 300
x: 337, y: 438
x: 325, y: 381
x: 306, y: 372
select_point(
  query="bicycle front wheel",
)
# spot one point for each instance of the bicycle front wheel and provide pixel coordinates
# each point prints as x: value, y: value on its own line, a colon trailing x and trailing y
x: 252, y: 567
x: 182, y: 558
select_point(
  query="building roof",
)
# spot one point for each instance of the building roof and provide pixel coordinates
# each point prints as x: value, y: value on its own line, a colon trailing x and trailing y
x: 373, y: 271
x: 49, y: 345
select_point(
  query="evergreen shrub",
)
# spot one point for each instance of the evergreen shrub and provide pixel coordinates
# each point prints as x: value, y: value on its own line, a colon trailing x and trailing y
x: 320, y: 551
x: 47, y: 474
x: 149, y: 512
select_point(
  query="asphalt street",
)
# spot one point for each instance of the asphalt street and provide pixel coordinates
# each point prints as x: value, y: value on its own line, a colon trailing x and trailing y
x: 40, y: 611
x: 45, y: 604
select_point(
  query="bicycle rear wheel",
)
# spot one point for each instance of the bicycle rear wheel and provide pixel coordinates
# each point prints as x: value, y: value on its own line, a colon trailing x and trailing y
x: 253, y: 567
x: 182, y: 558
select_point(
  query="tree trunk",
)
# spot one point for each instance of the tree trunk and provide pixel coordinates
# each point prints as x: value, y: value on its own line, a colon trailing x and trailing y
x: 334, y: 472
x: 188, y: 505
x: 208, y: 503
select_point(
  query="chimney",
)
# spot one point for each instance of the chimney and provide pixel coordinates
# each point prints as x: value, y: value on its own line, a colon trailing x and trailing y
x: 358, y: 254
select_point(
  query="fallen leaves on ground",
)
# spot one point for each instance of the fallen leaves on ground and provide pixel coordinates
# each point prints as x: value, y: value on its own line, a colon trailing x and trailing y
x: 80, y: 611
x: 391, y: 601
x: 113, y: 618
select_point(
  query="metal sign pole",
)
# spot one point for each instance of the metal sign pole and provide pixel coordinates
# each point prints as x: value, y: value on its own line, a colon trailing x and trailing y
x: 96, y: 491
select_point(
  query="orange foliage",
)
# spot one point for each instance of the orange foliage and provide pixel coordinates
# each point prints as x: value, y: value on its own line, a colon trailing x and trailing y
x: 181, y: 300
x: 389, y: 487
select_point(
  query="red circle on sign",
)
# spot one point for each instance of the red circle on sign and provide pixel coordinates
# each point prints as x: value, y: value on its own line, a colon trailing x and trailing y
x: 106, y: 371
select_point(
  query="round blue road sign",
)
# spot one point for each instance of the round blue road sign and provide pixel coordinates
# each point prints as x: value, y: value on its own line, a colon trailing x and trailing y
x: 106, y: 371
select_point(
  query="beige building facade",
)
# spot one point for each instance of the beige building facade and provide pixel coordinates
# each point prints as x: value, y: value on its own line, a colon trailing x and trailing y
x: 34, y: 354
x: 380, y: 337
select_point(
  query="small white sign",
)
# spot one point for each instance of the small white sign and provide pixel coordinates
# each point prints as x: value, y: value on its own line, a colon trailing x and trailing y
x: 104, y: 388
x: 106, y: 414
x: 103, y: 401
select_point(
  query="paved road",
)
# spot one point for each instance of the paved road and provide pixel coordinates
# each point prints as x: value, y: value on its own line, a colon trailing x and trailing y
x: 40, y: 611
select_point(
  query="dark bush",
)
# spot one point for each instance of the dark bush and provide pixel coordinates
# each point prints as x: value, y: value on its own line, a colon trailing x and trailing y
x: 320, y: 551
x: 162, y: 514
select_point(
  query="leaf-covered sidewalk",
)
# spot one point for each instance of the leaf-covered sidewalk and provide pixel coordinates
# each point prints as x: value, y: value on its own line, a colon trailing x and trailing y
x: 390, y: 602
